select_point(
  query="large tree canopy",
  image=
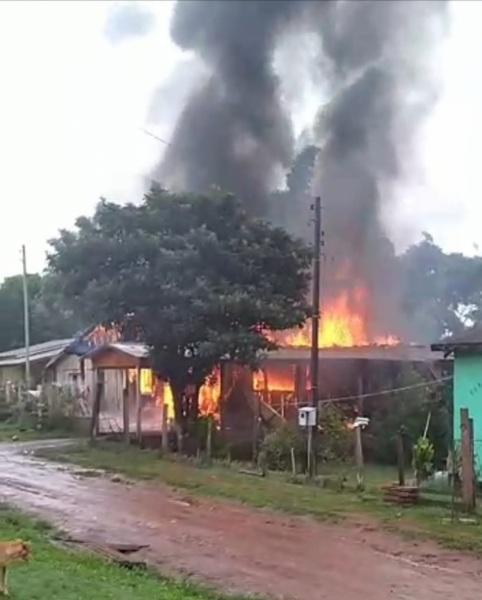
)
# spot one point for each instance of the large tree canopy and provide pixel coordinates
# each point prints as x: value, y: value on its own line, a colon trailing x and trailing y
x: 49, y: 319
x: 200, y: 279
x: 442, y: 293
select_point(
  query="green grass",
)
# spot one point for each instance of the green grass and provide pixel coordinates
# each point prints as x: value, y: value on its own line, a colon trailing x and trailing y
x: 12, y: 432
x: 59, y: 574
x: 430, y: 519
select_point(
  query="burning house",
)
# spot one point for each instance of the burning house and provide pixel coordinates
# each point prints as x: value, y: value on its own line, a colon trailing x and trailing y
x: 370, y: 65
x: 239, y: 129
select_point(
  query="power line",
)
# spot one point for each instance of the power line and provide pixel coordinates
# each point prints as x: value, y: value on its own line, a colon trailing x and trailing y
x: 387, y: 392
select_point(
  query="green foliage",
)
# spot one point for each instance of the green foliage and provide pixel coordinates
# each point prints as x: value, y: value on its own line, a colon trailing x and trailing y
x: 335, y: 441
x: 11, y: 310
x: 276, y: 448
x: 198, y: 277
x: 58, y: 409
x: 408, y: 409
x: 437, y: 286
x: 422, y: 461
x: 49, y: 318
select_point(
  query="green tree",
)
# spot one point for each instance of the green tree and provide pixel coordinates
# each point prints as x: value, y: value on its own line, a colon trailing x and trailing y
x: 11, y: 309
x: 49, y: 318
x: 442, y: 292
x: 200, y: 279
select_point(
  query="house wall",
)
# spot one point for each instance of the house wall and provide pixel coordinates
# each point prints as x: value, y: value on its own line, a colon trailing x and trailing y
x: 68, y: 370
x: 468, y: 394
x: 115, y: 360
x: 13, y: 374
x: 113, y: 385
x: 16, y: 373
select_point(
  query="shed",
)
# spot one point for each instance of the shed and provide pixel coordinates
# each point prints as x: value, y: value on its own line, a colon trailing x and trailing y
x: 123, y: 389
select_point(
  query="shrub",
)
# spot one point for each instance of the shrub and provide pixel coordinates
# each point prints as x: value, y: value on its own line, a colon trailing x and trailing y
x: 422, y: 461
x: 335, y: 441
x: 275, y: 452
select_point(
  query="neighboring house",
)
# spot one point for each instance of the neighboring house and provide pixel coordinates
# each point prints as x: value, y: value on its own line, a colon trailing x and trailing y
x: 467, y: 384
x: 12, y: 362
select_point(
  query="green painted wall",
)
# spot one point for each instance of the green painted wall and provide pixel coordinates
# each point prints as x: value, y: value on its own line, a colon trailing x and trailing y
x: 468, y: 394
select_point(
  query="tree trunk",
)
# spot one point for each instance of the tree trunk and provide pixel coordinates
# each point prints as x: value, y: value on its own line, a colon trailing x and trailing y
x: 186, y: 408
x: 180, y: 415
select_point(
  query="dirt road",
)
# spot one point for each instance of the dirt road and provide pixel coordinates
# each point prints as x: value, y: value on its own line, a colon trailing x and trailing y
x: 235, y: 548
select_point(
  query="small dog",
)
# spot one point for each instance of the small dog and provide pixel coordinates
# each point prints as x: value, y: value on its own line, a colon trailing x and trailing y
x: 11, y: 552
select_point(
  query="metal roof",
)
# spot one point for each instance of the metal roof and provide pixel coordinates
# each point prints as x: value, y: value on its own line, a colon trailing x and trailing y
x: 134, y: 349
x: 397, y: 352
x: 37, y: 352
x: 469, y: 340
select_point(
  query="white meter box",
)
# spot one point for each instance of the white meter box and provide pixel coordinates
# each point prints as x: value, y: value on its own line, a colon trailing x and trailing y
x: 307, y: 416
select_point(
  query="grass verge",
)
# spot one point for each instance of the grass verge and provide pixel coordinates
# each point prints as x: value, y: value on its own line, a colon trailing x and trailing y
x: 59, y: 574
x: 12, y: 432
x: 431, y: 519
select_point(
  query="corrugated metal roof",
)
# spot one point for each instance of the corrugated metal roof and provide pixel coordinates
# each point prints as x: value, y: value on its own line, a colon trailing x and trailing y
x: 472, y: 338
x: 398, y: 352
x: 134, y: 349
x: 42, y: 351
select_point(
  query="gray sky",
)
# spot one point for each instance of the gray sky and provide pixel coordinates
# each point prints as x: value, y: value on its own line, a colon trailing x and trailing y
x: 76, y: 91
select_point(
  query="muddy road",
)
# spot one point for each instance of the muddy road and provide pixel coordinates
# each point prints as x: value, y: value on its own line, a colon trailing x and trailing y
x: 235, y: 548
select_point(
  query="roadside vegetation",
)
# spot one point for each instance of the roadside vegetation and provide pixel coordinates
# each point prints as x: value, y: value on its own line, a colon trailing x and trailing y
x: 12, y: 432
x: 333, y: 496
x: 59, y: 574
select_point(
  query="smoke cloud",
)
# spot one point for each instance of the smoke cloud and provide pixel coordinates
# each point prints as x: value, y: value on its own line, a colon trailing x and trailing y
x: 378, y: 56
x: 376, y: 63
x: 233, y: 132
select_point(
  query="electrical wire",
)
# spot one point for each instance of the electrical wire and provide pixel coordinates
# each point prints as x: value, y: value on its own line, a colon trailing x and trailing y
x: 387, y: 392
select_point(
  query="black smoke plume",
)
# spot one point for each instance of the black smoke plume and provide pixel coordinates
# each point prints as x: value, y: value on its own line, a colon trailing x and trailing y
x: 375, y: 59
x: 233, y: 132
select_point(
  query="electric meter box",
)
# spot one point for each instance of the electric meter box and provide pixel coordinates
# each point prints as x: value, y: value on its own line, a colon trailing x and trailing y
x: 307, y: 416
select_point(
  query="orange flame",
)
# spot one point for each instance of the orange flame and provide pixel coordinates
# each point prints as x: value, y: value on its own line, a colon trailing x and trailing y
x: 340, y: 326
x: 274, y: 379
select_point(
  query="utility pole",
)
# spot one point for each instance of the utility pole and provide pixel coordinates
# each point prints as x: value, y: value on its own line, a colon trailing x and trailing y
x: 26, y: 318
x: 315, y: 321
x: 315, y: 318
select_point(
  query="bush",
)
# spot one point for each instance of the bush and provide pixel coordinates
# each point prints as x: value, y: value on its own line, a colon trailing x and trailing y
x: 422, y: 462
x: 408, y: 409
x: 275, y: 452
x: 335, y: 441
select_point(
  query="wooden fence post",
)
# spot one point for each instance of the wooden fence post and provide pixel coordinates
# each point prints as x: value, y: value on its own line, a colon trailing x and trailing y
x: 97, y: 392
x: 468, y: 474
x: 209, y: 440
x: 359, y: 457
x: 138, y: 407
x: 358, y: 438
x: 401, y: 457
x: 256, y: 427
x: 125, y: 410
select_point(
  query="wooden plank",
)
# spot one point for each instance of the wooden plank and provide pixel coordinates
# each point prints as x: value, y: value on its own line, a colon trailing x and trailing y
x: 97, y: 393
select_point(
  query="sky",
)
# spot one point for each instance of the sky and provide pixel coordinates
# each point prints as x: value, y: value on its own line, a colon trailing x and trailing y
x: 76, y: 93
